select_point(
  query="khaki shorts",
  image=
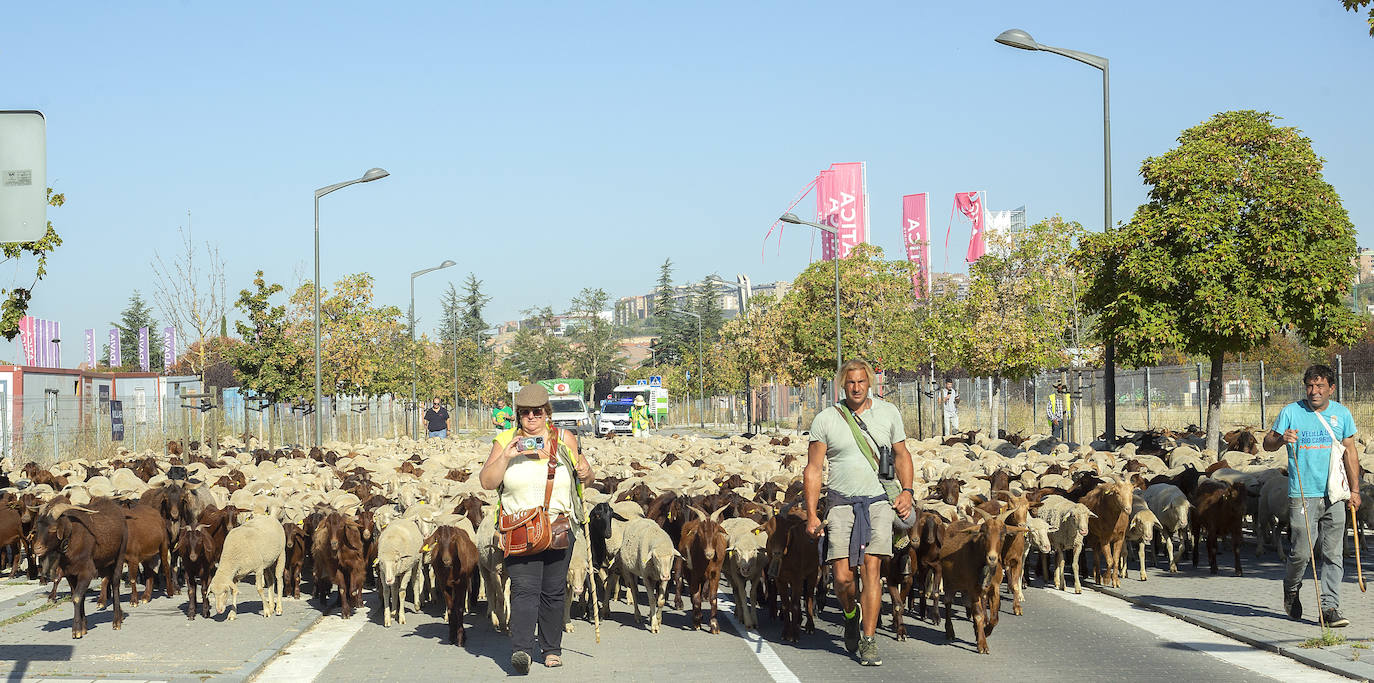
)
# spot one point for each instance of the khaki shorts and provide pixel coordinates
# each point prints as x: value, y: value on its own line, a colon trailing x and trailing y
x: 839, y: 522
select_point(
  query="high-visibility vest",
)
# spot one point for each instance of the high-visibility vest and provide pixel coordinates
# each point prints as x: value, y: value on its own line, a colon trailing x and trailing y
x: 1054, y: 404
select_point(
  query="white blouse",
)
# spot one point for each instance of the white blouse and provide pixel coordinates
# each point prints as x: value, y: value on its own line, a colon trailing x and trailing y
x: 522, y: 487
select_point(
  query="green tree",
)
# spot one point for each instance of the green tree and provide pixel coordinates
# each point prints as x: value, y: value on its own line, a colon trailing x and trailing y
x: 16, y: 304
x: 363, y: 347
x: 1017, y: 316
x: 1241, y: 239
x: 1356, y: 6
x: 594, y: 349
x: 706, y: 303
x: 271, y: 363
x: 537, y: 352
x: 473, y: 303
x: 667, y: 323
x: 137, y: 314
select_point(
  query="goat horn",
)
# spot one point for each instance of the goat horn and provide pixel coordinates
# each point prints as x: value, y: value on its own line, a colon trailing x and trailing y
x: 1003, y: 517
x: 698, y: 511
x: 78, y: 508
x: 715, y: 516
x: 982, y: 512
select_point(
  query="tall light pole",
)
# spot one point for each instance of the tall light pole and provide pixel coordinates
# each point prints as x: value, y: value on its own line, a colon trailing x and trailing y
x: 701, y: 390
x: 371, y: 175
x: 743, y: 289
x: 1020, y: 39
x: 792, y: 218
x: 415, y: 373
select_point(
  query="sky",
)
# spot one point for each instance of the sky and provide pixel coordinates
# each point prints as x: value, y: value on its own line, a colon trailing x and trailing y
x: 548, y: 147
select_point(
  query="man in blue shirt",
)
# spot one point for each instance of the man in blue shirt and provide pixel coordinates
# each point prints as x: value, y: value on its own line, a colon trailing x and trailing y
x: 1300, y: 425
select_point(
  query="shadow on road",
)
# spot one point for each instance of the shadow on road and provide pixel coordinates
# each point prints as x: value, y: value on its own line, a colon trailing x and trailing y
x: 21, y: 655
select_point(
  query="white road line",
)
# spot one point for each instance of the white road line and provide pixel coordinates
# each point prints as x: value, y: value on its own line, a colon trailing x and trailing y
x: 306, y: 656
x: 1233, y: 652
x: 770, y: 660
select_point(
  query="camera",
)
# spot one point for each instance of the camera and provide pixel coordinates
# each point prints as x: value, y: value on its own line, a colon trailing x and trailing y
x: 531, y: 443
x: 887, y: 468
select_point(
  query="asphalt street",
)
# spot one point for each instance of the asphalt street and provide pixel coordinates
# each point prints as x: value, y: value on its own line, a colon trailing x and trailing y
x: 1061, y: 637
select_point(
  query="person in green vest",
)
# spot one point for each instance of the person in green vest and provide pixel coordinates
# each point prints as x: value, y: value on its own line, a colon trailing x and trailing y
x: 502, y: 417
x: 639, y: 418
x: 1058, y: 410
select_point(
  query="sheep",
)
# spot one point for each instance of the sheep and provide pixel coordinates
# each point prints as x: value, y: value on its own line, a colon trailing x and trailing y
x: 399, y: 550
x: 1068, y: 523
x: 1271, y: 515
x: 491, y: 564
x: 1141, y: 528
x: 1038, y: 540
x: 257, y: 546
x: 1173, y: 510
x: 646, y: 553
x: 579, y: 576
x: 744, y: 563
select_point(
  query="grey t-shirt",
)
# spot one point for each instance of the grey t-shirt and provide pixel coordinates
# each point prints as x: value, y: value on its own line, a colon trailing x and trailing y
x: 948, y: 395
x: 850, y: 472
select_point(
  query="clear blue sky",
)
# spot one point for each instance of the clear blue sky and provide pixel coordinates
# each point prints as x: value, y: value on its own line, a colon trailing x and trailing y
x: 590, y: 141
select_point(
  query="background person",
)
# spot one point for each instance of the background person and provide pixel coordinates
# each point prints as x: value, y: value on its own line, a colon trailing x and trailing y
x: 436, y: 420
x: 1300, y: 423
x: 1058, y: 410
x: 860, y: 517
x: 537, y: 582
x: 502, y: 417
x: 949, y: 398
x: 639, y: 418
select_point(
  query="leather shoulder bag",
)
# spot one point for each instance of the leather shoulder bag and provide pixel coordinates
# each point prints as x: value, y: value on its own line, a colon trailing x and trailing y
x: 530, y: 532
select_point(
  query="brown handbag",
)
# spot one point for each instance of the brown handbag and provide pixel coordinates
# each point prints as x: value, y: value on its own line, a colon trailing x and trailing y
x: 530, y: 532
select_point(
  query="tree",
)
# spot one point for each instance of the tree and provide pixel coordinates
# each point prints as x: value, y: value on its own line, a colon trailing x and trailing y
x: 363, y: 347
x: 594, y: 349
x: 1357, y: 5
x: 537, y: 352
x: 1017, y: 316
x: 473, y: 302
x: 669, y: 346
x: 706, y: 303
x: 16, y: 304
x: 1241, y: 239
x: 191, y: 295
x: 137, y: 314
x: 271, y: 362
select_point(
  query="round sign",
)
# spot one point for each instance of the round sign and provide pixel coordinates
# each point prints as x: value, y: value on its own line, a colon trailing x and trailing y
x: 560, y: 388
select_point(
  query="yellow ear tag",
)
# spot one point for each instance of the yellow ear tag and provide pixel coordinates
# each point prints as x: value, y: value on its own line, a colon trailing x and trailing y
x: 301, y: 523
x: 757, y: 531
x: 670, y: 515
x: 425, y: 549
x: 422, y: 503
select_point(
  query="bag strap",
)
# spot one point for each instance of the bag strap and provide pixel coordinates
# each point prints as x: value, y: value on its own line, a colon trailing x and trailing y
x: 1335, y: 444
x: 864, y: 448
x: 553, y: 466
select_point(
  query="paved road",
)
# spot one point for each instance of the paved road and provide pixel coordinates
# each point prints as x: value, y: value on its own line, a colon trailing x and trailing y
x: 1062, y: 636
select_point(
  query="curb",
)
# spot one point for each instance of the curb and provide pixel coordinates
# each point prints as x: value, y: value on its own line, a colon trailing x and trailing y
x: 1328, y: 662
x: 250, y: 668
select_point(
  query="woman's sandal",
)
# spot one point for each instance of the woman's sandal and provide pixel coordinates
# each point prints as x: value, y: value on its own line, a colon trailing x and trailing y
x: 552, y: 661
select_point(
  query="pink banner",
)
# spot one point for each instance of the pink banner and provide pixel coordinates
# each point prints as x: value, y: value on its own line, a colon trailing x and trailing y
x: 90, y: 349
x: 916, y: 233
x: 27, y: 341
x: 841, y: 204
x: 971, y: 205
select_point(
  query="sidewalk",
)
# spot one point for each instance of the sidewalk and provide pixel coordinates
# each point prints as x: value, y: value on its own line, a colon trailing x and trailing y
x: 1249, y: 608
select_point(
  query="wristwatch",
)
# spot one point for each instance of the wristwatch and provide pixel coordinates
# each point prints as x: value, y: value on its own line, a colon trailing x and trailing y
x: 911, y: 491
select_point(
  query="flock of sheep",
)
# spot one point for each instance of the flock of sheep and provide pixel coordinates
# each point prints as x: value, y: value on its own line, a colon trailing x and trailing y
x: 410, y: 518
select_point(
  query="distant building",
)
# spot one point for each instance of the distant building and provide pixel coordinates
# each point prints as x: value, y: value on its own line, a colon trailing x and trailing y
x: 945, y: 282
x: 1363, y: 260
x: 641, y: 306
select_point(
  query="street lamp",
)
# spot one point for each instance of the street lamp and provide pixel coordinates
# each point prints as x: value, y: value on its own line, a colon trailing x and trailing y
x: 792, y: 218
x: 415, y: 373
x: 371, y: 175
x: 1020, y: 39
x: 701, y: 391
x: 743, y: 289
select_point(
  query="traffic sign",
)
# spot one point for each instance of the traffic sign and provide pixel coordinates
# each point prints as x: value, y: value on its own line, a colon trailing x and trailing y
x: 512, y: 386
x: 656, y: 381
x: 641, y: 382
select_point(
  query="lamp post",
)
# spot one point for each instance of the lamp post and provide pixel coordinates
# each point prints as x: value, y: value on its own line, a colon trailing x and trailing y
x: 701, y: 390
x: 1020, y: 39
x: 371, y: 175
x: 792, y: 218
x: 743, y: 289
x: 414, y: 371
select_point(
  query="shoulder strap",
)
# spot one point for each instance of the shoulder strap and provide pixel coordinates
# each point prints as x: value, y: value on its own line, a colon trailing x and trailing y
x: 553, y: 466
x: 864, y: 448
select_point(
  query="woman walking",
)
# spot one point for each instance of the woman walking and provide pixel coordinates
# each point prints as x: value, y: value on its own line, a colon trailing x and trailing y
x: 533, y: 465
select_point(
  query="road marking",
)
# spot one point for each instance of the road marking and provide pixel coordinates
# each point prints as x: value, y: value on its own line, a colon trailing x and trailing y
x: 770, y: 660
x: 306, y: 656
x: 1233, y: 652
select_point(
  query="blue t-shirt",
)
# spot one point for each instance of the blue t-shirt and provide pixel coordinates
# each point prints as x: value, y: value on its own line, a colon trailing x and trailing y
x: 1314, y: 443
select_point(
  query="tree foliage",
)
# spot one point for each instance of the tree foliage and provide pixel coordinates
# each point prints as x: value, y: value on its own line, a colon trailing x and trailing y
x: 190, y: 292
x: 1356, y: 6
x: 16, y: 303
x: 1241, y: 239
x: 537, y: 352
x: 137, y: 314
x: 364, y: 348
x: 272, y: 362
x: 594, y: 351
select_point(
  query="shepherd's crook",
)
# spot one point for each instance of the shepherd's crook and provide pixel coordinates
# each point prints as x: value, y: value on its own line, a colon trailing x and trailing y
x: 1359, y: 570
x: 1311, y: 552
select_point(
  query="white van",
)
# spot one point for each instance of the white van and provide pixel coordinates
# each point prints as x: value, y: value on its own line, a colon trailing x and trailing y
x: 570, y: 413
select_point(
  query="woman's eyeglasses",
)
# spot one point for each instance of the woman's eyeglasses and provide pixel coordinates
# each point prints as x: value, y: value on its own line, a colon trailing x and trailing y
x: 533, y: 412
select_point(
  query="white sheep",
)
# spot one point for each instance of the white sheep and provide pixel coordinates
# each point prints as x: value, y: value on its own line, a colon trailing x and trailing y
x: 1068, y: 522
x: 579, y: 577
x: 1272, y: 513
x: 1139, y: 530
x: 1172, y: 509
x: 491, y: 564
x: 744, y: 564
x: 1038, y: 540
x: 398, y: 566
x: 647, y: 553
x: 257, y: 546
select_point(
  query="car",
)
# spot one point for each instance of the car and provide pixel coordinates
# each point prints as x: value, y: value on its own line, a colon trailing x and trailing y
x: 570, y: 413
x: 615, y: 417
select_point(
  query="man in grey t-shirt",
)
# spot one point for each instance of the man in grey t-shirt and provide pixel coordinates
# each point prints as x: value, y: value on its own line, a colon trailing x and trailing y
x: 855, y: 493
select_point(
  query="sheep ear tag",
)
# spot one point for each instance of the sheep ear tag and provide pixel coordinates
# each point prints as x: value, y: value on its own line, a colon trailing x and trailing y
x: 301, y: 523
x: 757, y: 531
x: 426, y: 548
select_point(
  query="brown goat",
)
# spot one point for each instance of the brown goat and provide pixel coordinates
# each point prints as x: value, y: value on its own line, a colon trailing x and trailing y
x: 703, y: 547
x: 339, y: 555
x: 1111, y: 508
x: 971, y: 564
x: 199, y: 554
x: 1218, y: 508
x: 454, y: 559
x: 83, y: 543
x: 146, y: 549
x: 296, y: 545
